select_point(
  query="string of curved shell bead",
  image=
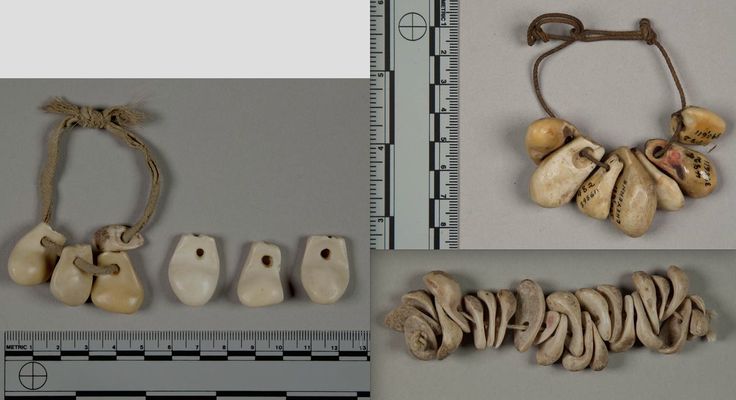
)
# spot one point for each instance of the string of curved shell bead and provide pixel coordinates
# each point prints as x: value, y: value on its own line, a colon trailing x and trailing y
x: 576, y: 329
x: 626, y: 186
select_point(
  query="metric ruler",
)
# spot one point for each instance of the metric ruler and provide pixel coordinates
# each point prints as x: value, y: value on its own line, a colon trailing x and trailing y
x: 208, y: 364
x: 414, y: 118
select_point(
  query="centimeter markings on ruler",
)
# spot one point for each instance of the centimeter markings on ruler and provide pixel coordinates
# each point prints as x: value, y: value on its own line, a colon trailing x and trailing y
x: 414, y: 96
x: 263, y: 364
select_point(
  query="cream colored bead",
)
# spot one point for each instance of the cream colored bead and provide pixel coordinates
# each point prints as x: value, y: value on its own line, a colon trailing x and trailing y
x: 194, y: 269
x: 69, y: 284
x: 634, y: 198
x: 547, y: 135
x: 30, y: 263
x: 693, y: 171
x: 558, y: 177
x: 669, y: 195
x: 260, y: 280
x: 700, y: 125
x: 325, y: 270
x: 594, y: 196
x: 121, y: 292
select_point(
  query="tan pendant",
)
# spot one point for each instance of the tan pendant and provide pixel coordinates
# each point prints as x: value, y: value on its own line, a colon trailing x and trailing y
x: 69, y: 284
x: 594, y: 196
x: 558, y: 177
x: 692, y: 170
x: 699, y: 125
x: 260, y: 281
x: 30, y: 263
x: 325, y: 270
x: 547, y: 135
x: 121, y: 292
x: 194, y: 269
x: 634, y: 200
x: 669, y: 195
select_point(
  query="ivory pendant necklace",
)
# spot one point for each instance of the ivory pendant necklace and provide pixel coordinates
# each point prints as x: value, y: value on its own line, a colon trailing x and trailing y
x: 42, y: 254
x: 626, y: 185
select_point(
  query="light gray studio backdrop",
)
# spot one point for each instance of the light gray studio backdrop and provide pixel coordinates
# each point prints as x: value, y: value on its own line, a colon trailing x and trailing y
x: 241, y: 160
x: 618, y: 93
x: 701, y: 371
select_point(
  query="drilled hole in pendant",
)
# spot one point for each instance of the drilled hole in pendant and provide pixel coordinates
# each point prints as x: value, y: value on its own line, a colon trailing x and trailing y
x: 325, y: 253
x: 658, y: 152
x: 200, y: 253
x: 267, y: 261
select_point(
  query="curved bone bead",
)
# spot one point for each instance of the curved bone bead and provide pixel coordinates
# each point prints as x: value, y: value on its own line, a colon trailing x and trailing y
x: 547, y: 135
x: 663, y: 294
x: 551, y: 320
x: 643, y: 327
x: 452, y: 335
x: 69, y: 284
x: 507, y: 309
x: 121, y: 292
x: 566, y: 303
x: 419, y: 338
x: 628, y: 334
x: 260, y: 281
x: 551, y: 350
x: 110, y: 238
x: 558, y: 176
x: 30, y: 263
x: 647, y: 293
x: 700, y: 125
x: 396, y: 318
x: 594, y: 303
x: 475, y: 308
x: 194, y: 269
x: 421, y: 300
x: 693, y: 171
x: 600, y: 352
x: 676, y: 329
x: 530, y: 313
x: 615, y: 305
x: 325, y: 271
x: 680, y: 286
x: 594, y: 196
x: 578, y: 363
x: 669, y: 195
x: 634, y: 198
x: 447, y: 294
x: 489, y: 299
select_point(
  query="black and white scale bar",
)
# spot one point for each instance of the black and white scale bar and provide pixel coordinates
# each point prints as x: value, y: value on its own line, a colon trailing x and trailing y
x: 188, y: 395
x: 194, y: 355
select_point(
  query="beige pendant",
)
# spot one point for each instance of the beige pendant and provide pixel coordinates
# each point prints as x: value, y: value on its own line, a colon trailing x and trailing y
x: 260, y: 281
x: 693, y: 171
x: 594, y: 196
x: 110, y: 238
x: 669, y: 195
x: 558, y: 177
x: 634, y: 200
x: 121, y: 292
x: 194, y: 269
x: 30, y: 263
x: 325, y: 270
x: 699, y: 125
x: 69, y: 284
x: 547, y: 135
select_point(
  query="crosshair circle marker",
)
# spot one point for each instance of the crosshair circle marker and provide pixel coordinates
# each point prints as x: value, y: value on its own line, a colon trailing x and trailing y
x: 412, y: 26
x: 32, y: 375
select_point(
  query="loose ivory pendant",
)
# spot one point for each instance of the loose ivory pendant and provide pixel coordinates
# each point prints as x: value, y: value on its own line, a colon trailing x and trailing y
x: 560, y: 174
x: 693, y: 171
x: 30, y: 263
x: 594, y: 196
x: 120, y: 292
x: 194, y: 269
x: 69, y: 284
x: 325, y: 269
x: 669, y: 195
x: 634, y: 199
x: 699, y: 125
x: 260, y: 281
x: 547, y: 135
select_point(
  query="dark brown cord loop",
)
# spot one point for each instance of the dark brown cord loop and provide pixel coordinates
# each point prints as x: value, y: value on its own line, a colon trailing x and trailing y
x: 55, y: 248
x: 579, y: 34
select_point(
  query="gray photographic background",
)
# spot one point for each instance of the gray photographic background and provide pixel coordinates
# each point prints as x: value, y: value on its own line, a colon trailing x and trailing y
x: 701, y: 371
x: 619, y: 93
x: 241, y: 160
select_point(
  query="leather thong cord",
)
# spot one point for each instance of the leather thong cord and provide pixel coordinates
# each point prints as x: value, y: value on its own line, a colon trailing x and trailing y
x: 578, y: 33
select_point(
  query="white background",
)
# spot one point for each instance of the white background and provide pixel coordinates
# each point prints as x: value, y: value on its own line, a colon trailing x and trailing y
x: 184, y: 39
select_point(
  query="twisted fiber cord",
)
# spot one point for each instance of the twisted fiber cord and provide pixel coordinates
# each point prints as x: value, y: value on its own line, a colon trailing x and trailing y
x: 578, y: 33
x: 116, y: 120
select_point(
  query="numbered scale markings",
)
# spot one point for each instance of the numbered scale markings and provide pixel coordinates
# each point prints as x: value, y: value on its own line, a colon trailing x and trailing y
x: 414, y: 97
x: 210, y: 364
